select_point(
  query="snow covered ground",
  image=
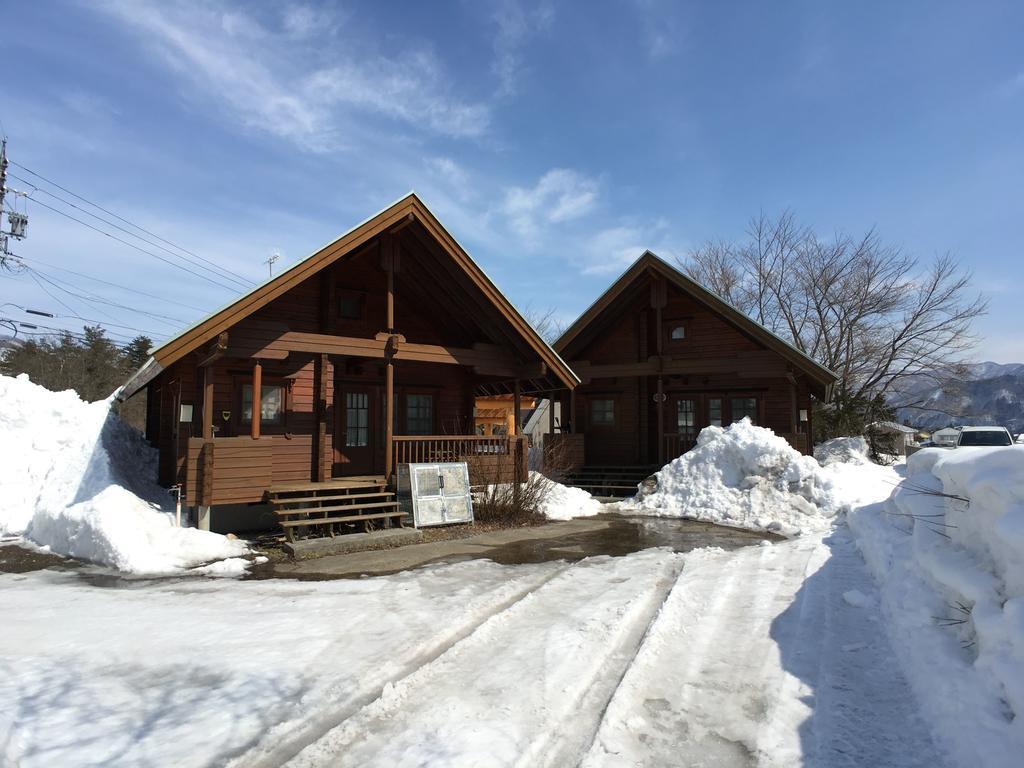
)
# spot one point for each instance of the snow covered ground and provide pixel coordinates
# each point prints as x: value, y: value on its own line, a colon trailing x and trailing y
x: 776, y: 655
x: 77, y: 481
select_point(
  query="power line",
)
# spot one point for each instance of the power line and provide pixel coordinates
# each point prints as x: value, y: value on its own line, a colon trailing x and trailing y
x: 112, y: 285
x: 92, y: 298
x: 228, y: 276
x: 132, y: 245
x: 245, y: 280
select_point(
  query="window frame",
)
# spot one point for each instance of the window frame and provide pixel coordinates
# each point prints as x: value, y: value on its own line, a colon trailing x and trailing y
x: 610, y: 425
x: 755, y: 417
x: 347, y: 294
x: 269, y: 382
x: 433, y: 412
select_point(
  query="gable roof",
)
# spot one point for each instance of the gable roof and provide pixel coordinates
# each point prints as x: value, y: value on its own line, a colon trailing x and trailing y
x: 650, y: 262
x: 407, y: 208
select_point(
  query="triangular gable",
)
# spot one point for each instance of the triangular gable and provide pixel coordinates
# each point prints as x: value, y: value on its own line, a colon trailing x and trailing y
x: 409, y: 207
x: 649, y: 261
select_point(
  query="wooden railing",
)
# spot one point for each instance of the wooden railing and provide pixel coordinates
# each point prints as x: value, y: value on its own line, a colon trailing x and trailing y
x: 677, y: 444
x: 496, y: 458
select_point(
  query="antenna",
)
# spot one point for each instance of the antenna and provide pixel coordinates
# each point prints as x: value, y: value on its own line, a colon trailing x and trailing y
x: 270, y: 262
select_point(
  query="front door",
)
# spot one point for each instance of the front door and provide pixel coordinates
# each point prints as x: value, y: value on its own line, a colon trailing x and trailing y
x: 355, y: 434
x: 683, y: 424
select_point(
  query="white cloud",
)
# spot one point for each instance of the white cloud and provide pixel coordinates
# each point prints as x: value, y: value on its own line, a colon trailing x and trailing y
x: 612, y: 249
x: 269, y: 81
x: 516, y: 24
x: 559, y: 196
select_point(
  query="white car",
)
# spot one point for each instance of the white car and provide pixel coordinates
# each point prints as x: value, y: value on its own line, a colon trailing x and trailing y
x: 983, y: 436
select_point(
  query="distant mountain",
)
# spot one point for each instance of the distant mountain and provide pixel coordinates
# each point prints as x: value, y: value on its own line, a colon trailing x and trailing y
x: 976, y: 394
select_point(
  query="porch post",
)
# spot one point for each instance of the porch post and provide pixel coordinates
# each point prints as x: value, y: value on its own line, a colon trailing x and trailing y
x: 517, y: 408
x: 551, y: 413
x: 572, y: 412
x: 389, y: 369
x: 257, y: 398
x: 661, y: 422
x: 320, y: 386
x: 207, y: 403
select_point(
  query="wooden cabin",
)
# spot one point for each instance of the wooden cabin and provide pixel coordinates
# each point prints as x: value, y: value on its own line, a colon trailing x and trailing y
x: 368, y: 354
x: 660, y: 358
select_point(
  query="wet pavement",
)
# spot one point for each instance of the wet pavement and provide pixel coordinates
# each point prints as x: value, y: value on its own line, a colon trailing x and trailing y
x: 572, y: 540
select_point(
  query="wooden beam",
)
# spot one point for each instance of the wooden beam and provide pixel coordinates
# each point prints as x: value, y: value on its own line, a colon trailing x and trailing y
x: 257, y: 399
x: 207, y: 403
x: 215, y: 351
x: 661, y: 421
x: 750, y: 364
x: 389, y: 419
x: 490, y: 360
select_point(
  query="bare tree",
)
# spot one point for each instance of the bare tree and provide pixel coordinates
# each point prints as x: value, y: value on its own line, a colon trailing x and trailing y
x: 545, y: 322
x: 875, y: 315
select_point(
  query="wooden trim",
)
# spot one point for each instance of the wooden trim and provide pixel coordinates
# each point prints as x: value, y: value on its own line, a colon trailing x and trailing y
x: 207, y: 403
x: 257, y: 400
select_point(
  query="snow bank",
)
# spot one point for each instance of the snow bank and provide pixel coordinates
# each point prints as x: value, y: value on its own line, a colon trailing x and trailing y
x: 560, y: 502
x: 744, y: 476
x: 75, y: 478
x: 842, y: 450
x: 951, y: 570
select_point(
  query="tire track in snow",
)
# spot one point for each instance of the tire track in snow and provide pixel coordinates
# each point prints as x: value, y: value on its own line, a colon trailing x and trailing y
x: 508, y: 693
x: 287, y: 740
x: 696, y: 692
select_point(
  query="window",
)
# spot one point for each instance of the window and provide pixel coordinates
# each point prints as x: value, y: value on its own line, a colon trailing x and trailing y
x: 686, y: 421
x: 715, y: 411
x: 357, y: 419
x: 744, y: 406
x: 271, y: 403
x: 677, y: 333
x: 602, y: 413
x: 350, y: 306
x: 419, y: 414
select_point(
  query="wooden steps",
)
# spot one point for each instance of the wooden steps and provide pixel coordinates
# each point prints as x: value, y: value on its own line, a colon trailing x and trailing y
x: 610, y: 482
x: 335, y: 507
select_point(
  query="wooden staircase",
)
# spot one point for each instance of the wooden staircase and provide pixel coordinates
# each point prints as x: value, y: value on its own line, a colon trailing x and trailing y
x: 609, y: 482
x: 343, y: 505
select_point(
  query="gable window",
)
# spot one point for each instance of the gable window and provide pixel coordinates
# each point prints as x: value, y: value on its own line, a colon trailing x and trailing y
x: 271, y: 403
x: 602, y: 413
x: 419, y: 414
x: 744, y: 406
x: 350, y: 305
x: 677, y: 332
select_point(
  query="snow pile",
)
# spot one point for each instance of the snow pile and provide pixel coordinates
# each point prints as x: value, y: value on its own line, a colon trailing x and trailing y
x: 560, y: 502
x: 74, y: 478
x: 842, y: 450
x: 951, y: 570
x: 744, y: 476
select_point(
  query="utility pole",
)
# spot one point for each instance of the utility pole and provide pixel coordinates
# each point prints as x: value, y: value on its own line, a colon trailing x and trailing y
x: 3, y: 188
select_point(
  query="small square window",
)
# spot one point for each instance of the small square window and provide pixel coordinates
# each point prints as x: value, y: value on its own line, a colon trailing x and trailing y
x: 350, y: 306
x: 419, y: 414
x: 271, y: 403
x: 602, y: 413
x: 677, y: 333
x: 744, y: 406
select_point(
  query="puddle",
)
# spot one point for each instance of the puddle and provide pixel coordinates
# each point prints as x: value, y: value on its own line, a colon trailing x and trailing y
x: 623, y: 536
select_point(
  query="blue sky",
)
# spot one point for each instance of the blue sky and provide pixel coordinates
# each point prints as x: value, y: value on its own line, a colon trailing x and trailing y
x: 555, y: 140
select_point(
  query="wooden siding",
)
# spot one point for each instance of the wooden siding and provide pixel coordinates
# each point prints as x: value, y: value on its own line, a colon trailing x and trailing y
x: 715, y: 360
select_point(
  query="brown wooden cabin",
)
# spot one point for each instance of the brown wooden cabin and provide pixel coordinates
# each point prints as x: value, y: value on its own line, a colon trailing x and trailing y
x: 660, y: 357
x: 367, y: 354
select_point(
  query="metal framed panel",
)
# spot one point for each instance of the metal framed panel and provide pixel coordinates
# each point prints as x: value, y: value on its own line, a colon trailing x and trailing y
x: 435, y: 494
